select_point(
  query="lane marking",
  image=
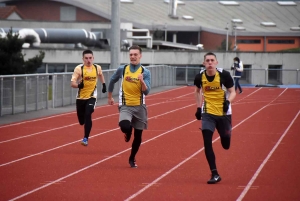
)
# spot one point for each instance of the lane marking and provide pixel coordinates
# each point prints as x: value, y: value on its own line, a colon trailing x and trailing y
x: 200, y: 150
x: 67, y: 113
x: 74, y: 124
x: 249, y: 185
x: 96, y: 135
x: 152, y: 183
x: 94, y: 164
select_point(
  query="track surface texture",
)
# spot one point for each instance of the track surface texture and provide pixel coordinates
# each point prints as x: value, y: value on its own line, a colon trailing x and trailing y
x: 42, y: 158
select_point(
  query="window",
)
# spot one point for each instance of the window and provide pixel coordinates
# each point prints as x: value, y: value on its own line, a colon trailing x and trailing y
x: 276, y: 41
x: 246, y: 75
x: 248, y: 41
x: 56, y: 68
x: 41, y: 69
x: 275, y: 74
x: 67, y: 13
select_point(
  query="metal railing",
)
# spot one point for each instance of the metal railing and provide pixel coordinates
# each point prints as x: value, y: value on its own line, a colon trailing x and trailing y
x: 251, y: 76
x: 23, y: 93
x: 30, y: 92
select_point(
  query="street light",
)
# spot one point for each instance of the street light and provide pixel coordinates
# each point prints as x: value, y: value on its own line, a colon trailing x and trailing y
x: 227, y: 29
x: 235, y: 46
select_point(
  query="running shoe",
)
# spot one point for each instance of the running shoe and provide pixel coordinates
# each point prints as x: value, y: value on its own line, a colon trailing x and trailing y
x: 132, y: 163
x: 84, y: 142
x: 214, y: 179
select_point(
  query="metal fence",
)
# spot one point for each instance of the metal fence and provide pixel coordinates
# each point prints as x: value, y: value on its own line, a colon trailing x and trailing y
x: 250, y: 76
x: 24, y: 93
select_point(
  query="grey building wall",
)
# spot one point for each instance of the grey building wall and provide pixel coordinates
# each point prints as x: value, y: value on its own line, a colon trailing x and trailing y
x: 259, y: 62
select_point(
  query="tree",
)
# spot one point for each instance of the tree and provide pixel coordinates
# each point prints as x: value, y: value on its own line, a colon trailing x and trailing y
x: 223, y: 45
x: 12, y: 59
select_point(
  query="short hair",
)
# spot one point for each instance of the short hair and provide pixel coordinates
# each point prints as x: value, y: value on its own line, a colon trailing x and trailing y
x: 236, y: 59
x: 208, y: 54
x: 135, y: 47
x: 87, y: 52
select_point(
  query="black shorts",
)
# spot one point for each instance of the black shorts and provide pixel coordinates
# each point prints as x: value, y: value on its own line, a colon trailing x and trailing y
x: 221, y: 123
x: 84, y: 107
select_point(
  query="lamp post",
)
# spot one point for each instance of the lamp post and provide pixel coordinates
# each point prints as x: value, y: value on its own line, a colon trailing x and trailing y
x: 227, y: 29
x: 166, y: 26
x: 235, y: 46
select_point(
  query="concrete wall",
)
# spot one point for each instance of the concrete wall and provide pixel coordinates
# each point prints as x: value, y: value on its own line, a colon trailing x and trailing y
x: 259, y: 61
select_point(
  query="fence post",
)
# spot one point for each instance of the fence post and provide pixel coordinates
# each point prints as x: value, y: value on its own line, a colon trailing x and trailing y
x: 13, y: 95
x: 266, y: 76
x: 298, y: 76
x: 37, y: 93
x: 47, y: 91
x: 186, y: 75
x: 53, y: 89
x: 25, y: 98
x: 63, y: 89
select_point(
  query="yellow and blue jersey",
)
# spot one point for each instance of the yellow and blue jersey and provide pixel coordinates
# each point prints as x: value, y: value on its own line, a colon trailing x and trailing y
x: 89, y: 77
x: 214, y: 91
x: 130, y: 92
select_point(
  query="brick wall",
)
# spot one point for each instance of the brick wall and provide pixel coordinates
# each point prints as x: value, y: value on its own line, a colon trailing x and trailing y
x: 50, y: 11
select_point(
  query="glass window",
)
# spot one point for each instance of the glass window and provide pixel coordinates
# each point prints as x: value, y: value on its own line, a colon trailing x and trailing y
x: 271, y: 41
x: 248, y: 41
x: 246, y: 75
x: 56, y: 68
x: 41, y: 69
x: 275, y: 74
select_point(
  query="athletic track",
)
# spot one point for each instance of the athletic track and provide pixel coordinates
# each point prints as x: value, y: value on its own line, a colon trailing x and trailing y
x: 42, y: 159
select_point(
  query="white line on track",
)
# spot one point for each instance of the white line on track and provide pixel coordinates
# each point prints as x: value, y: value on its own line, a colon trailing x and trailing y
x: 156, y: 180
x: 92, y: 165
x: 74, y: 124
x: 242, y: 195
x: 48, y: 150
x: 67, y: 113
x: 178, y: 165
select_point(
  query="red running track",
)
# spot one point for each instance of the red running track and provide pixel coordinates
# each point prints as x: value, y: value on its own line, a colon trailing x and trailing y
x: 42, y: 159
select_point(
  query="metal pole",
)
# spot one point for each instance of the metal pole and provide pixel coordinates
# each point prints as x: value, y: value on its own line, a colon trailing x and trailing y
x: 26, y: 91
x: 235, y: 47
x: 227, y: 29
x: 37, y: 93
x: 63, y: 90
x: 14, y: 95
x: 298, y: 76
x: 165, y: 32
x: 115, y: 35
x: 47, y: 91
x: 266, y: 76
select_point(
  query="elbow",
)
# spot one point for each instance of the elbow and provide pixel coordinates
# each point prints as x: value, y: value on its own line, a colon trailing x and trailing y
x: 146, y: 92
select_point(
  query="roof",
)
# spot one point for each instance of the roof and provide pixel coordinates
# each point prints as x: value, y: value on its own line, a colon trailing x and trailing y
x: 211, y: 16
x: 6, y: 11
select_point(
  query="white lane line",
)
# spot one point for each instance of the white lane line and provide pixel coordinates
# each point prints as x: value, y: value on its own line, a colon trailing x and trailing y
x: 67, y: 113
x: 94, y: 164
x: 174, y: 168
x: 76, y: 172
x: 249, y: 185
x: 57, y: 128
x: 48, y: 150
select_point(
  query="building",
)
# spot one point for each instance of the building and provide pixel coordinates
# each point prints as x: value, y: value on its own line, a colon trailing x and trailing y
x: 258, y: 26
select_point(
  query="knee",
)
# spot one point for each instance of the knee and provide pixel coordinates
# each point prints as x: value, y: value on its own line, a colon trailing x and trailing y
x: 225, y: 143
x: 125, y: 126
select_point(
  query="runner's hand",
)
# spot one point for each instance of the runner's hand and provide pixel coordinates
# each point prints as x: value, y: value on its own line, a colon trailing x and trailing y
x: 198, y: 113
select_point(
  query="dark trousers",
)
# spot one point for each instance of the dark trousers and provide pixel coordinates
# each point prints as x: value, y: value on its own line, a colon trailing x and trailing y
x: 237, y: 84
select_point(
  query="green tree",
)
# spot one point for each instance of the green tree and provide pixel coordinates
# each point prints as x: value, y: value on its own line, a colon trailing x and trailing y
x: 223, y: 45
x: 12, y: 59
